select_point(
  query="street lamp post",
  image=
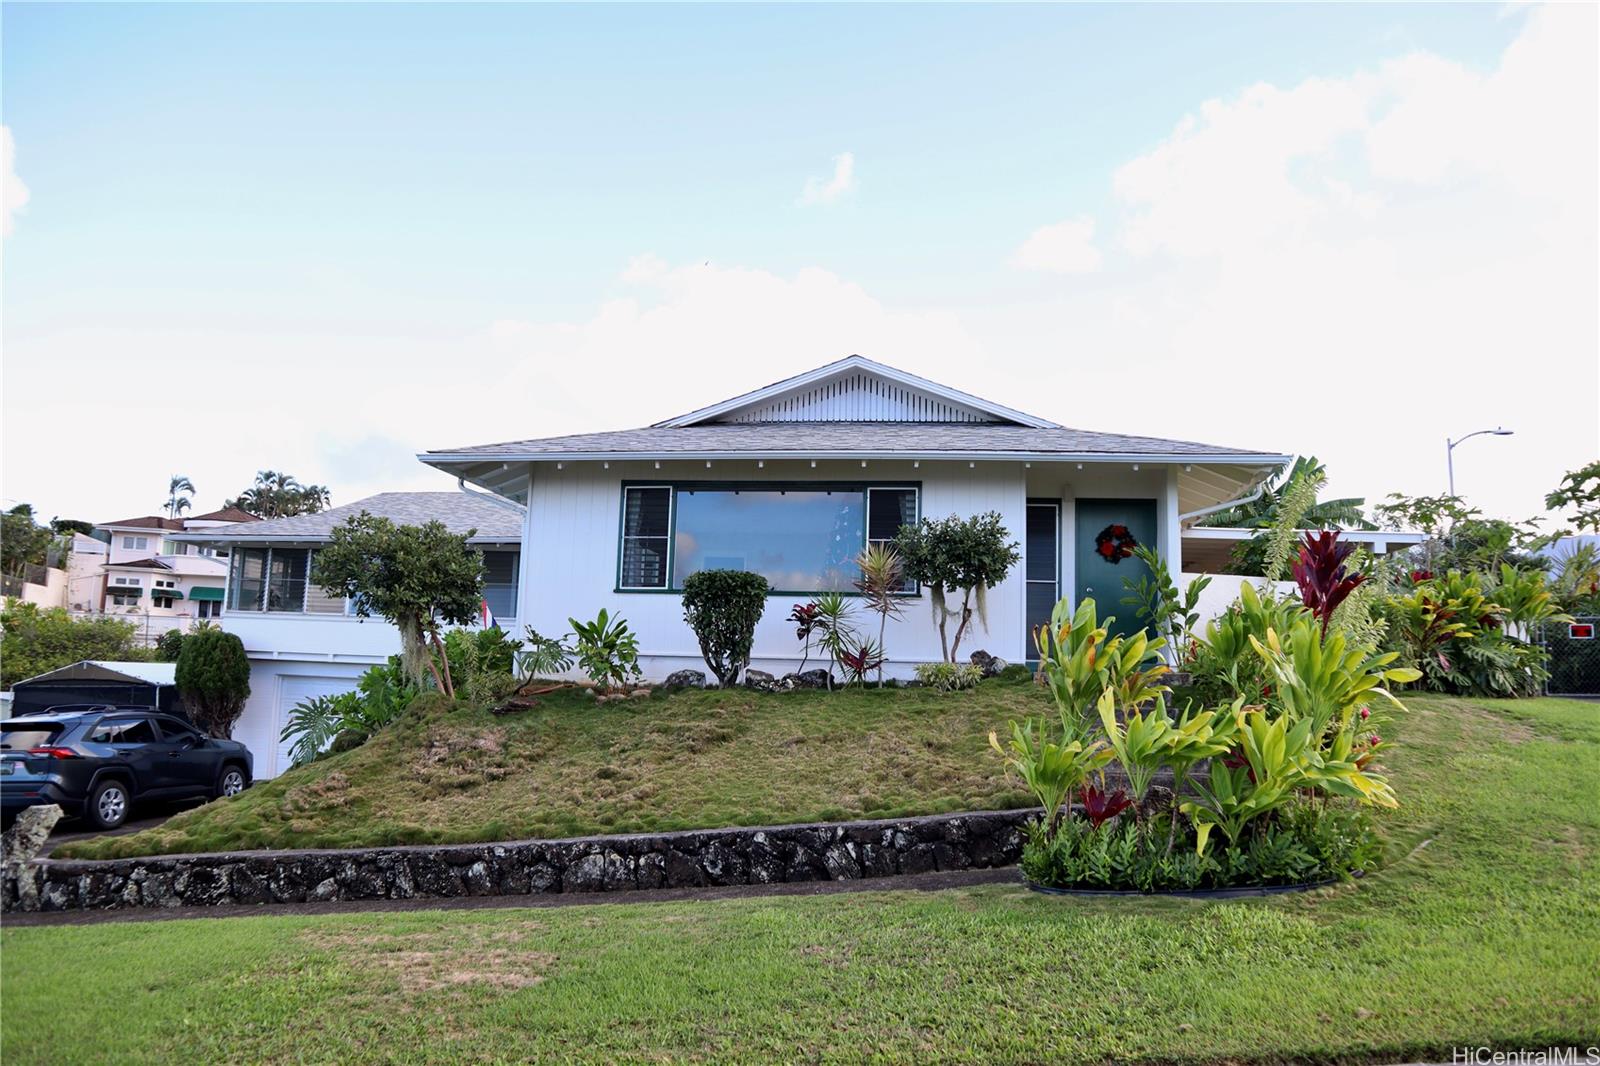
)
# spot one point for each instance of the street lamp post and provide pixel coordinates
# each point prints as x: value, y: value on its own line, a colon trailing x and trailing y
x: 1450, y: 449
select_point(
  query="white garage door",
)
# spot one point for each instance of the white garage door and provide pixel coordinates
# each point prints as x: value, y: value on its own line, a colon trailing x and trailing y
x: 293, y: 690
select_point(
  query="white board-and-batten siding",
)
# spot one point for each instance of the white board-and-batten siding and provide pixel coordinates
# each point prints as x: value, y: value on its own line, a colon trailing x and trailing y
x: 570, y: 560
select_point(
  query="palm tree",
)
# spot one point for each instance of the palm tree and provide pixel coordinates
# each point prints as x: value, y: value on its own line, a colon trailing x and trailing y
x: 178, y: 500
x: 276, y: 494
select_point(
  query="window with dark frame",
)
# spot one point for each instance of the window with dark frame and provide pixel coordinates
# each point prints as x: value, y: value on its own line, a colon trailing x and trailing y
x: 268, y: 579
x: 802, y: 537
x: 646, y: 525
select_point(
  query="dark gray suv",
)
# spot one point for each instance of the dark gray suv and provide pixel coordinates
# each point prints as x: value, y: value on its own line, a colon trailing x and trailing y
x: 98, y: 762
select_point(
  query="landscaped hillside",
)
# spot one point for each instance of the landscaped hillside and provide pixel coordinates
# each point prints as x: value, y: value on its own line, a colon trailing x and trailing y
x: 568, y: 767
x: 1483, y: 928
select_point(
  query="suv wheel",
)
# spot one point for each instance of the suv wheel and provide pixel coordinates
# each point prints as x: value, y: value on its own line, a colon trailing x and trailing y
x: 231, y: 783
x: 108, y: 804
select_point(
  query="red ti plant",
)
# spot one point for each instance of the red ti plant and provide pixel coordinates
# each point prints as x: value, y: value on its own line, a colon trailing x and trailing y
x: 805, y: 616
x: 1322, y: 576
x: 1100, y: 806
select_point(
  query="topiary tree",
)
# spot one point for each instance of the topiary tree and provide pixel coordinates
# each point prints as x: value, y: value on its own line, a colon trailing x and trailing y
x: 954, y: 555
x: 213, y: 679
x: 420, y: 578
x: 723, y: 607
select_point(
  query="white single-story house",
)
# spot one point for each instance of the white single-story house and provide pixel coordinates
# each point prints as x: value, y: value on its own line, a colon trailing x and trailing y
x: 791, y: 480
x: 303, y: 643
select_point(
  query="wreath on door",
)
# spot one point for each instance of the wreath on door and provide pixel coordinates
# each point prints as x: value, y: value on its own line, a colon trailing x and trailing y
x: 1115, y: 543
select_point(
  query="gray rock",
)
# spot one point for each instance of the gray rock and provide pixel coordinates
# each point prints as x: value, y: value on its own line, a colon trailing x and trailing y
x: 807, y: 679
x: 821, y: 851
x: 685, y: 679
x: 805, y: 865
x: 478, y: 879
x: 206, y: 887
x: 761, y: 681
x: 601, y: 871
x: 766, y: 863
x: 651, y: 870
x: 991, y: 665
x: 723, y: 865
x: 248, y: 885
x: 878, y: 861
x: 918, y: 859
x: 23, y: 841
x: 681, y: 870
x: 842, y: 862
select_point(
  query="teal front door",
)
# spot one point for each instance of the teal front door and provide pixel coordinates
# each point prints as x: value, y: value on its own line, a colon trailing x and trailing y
x: 1100, y: 564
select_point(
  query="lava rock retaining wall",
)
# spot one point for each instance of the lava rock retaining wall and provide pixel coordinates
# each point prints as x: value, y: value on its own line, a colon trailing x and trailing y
x: 812, y: 852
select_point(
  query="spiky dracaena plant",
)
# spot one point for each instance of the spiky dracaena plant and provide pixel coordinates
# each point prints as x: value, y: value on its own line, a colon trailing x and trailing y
x: 881, y: 585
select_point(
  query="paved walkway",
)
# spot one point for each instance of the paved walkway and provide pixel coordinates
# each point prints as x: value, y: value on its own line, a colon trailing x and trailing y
x: 930, y: 882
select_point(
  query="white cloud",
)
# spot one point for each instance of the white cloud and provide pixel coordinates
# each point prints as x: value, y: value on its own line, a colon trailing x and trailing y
x: 829, y: 190
x: 1063, y: 248
x: 14, y: 194
x: 1361, y: 266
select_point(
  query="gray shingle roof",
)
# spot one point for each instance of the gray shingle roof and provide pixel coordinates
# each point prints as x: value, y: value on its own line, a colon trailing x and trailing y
x: 496, y: 523
x: 845, y: 438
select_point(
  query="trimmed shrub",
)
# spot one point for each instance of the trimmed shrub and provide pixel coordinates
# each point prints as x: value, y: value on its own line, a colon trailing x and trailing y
x: 213, y: 679
x: 723, y: 607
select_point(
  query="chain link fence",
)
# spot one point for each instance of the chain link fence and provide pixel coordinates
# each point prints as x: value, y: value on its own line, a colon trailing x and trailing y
x: 1574, y: 656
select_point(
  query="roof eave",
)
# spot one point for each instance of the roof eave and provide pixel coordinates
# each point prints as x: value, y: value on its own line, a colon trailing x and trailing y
x: 443, y: 460
x: 286, y: 539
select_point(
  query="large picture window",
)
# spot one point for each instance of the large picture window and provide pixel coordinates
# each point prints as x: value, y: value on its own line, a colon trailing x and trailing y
x: 802, y: 538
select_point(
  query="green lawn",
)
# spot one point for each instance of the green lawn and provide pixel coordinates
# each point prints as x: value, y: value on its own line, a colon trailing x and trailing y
x: 1484, y: 928
x: 688, y: 760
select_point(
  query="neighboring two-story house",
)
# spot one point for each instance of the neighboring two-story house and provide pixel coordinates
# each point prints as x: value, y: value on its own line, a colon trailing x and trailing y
x: 303, y: 643
x: 160, y: 581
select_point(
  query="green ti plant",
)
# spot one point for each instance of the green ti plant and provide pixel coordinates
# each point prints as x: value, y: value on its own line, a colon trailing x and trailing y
x: 1052, y: 771
x: 1079, y: 660
x: 1322, y: 680
x: 1277, y: 757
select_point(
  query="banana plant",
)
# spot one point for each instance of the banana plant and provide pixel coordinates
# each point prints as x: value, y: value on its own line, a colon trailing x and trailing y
x: 1051, y: 771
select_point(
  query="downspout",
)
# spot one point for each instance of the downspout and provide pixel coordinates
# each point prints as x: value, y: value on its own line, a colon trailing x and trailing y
x: 500, y: 501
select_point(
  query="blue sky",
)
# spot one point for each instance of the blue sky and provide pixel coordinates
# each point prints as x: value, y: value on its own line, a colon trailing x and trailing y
x: 285, y: 202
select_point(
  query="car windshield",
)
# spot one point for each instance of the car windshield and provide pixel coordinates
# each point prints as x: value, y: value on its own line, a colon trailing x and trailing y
x: 20, y: 736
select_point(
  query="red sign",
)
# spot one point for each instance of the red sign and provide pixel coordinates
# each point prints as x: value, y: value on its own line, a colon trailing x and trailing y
x: 1581, y: 631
